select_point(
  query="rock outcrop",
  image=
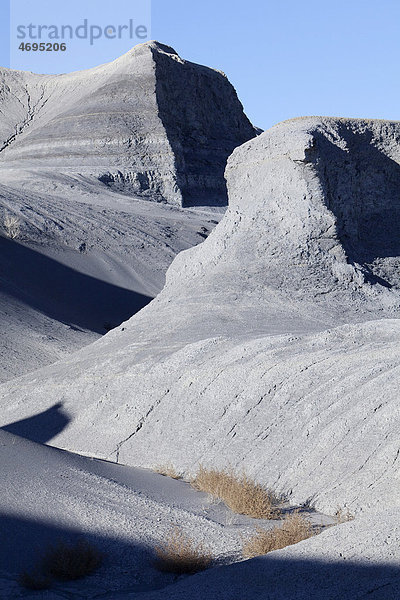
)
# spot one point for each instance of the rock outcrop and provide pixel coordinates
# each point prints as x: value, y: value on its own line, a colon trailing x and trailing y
x: 314, y: 211
x: 149, y: 124
x: 274, y: 346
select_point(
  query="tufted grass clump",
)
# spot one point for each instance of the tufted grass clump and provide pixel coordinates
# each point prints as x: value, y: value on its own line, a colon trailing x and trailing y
x: 168, y: 470
x: 34, y: 581
x: 11, y: 225
x: 343, y: 515
x: 294, y: 528
x: 240, y: 493
x: 71, y: 561
x: 180, y: 555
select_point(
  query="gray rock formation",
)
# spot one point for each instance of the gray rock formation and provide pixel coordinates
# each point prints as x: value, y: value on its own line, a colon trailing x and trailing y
x: 78, y: 155
x: 149, y: 124
x: 314, y: 210
x: 274, y: 346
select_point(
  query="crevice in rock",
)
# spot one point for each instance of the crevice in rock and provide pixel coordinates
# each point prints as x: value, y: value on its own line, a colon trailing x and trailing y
x: 32, y: 112
x: 138, y: 426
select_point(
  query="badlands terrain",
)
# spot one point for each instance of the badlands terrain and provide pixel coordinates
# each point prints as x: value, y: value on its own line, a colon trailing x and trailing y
x: 271, y: 347
x: 80, y: 156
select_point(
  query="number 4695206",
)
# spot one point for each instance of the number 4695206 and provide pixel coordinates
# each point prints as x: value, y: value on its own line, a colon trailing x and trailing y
x: 42, y: 47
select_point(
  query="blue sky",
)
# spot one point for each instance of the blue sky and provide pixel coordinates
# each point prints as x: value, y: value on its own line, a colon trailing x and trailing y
x: 286, y: 58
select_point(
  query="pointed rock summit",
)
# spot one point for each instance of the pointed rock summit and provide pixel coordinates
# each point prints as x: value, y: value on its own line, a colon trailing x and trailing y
x: 149, y: 124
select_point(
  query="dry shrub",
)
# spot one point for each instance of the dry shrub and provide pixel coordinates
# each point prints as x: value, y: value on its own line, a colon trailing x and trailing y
x: 11, y: 226
x: 294, y: 528
x: 34, y: 581
x: 71, y: 561
x: 167, y: 470
x: 240, y: 493
x: 343, y: 515
x: 181, y: 555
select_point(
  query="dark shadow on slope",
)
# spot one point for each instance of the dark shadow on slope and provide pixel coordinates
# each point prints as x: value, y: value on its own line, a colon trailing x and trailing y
x: 126, y: 565
x: 42, y: 427
x: 62, y: 293
x: 274, y: 578
x: 362, y: 188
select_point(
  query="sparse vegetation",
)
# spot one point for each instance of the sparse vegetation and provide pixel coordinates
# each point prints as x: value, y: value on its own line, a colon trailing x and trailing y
x: 294, y: 529
x: 168, y: 470
x: 181, y: 555
x: 343, y: 515
x: 34, y: 581
x: 71, y: 561
x: 240, y: 493
x: 11, y: 225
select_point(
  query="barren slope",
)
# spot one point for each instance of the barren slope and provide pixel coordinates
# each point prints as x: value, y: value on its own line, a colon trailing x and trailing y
x: 85, y: 260
x: 124, y: 512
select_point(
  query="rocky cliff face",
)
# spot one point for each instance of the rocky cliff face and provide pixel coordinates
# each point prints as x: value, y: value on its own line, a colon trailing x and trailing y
x: 204, y: 122
x: 149, y: 124
x: 275, y: 343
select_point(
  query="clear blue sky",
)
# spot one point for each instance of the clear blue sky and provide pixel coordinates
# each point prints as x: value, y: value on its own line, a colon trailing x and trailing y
x: 286, y: 58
